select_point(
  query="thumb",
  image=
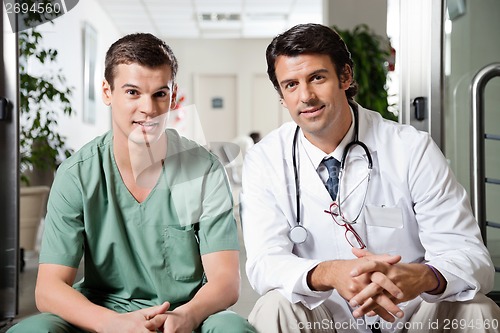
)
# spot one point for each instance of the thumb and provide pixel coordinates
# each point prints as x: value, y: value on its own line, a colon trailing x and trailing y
x: 360, y: 253
x: 387, y: 258
x: 156, y: 310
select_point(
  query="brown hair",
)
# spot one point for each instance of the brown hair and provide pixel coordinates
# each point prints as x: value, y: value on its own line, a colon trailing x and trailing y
x: 140, y: 48
x: 312, y: 38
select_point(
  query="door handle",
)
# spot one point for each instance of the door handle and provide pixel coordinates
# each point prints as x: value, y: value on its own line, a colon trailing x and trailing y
x: 3, y: 108
x: 419, y: 103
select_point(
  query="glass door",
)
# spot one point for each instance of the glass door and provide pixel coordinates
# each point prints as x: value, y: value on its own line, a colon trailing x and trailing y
x: 470, y: 44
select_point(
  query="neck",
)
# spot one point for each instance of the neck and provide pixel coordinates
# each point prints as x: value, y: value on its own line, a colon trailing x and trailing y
x: 140, y: 159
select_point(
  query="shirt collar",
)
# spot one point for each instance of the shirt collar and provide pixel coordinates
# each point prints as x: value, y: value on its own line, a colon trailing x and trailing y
x: 316, y: 155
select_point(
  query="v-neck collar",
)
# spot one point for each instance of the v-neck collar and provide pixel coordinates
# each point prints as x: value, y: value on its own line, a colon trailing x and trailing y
x: 118, y: 179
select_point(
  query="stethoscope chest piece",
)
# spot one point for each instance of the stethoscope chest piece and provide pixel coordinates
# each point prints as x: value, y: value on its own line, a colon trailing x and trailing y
x: 298, y: 234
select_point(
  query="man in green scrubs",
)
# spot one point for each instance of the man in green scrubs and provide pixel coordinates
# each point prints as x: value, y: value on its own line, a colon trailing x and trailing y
x: 149, y: 211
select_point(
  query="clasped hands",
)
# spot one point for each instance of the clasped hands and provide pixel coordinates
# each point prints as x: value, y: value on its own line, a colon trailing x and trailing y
x: 377, y: 283
x: 153, y: 319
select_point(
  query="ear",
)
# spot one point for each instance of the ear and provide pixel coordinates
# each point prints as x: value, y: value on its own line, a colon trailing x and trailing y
x: 346, y: 77
x: 106, y: 92
x: 173, y: 98
x: 283, y: 103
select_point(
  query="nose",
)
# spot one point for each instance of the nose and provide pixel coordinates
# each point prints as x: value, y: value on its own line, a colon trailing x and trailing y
x: 307, y: 94
x: 148, y: 106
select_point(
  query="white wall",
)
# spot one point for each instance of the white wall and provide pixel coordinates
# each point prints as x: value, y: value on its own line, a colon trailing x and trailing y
x: 65, y: 35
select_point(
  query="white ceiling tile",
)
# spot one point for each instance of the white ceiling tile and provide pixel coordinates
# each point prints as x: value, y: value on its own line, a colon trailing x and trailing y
x: 180, y: 18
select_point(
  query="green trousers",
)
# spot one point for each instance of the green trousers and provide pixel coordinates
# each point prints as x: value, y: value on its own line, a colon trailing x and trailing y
x: 220, y: 322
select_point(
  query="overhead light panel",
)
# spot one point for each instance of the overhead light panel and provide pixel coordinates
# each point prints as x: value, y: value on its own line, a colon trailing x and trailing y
x: 219, y: 17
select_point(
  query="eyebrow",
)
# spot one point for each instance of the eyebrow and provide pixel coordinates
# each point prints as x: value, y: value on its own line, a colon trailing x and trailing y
x: 316, y: 72
x: 130, y: 85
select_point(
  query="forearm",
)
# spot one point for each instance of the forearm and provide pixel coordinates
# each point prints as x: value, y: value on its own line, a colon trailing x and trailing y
x: 66, y: 302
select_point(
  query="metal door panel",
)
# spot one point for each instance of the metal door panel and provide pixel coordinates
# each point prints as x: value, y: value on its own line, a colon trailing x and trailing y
x: 9, y: 257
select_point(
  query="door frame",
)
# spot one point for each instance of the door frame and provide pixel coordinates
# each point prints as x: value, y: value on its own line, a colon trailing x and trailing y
x: 419, y: 60
x: 9, y: 173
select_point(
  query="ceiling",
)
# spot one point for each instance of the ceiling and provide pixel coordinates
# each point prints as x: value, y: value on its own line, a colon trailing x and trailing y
x: 211, y: 18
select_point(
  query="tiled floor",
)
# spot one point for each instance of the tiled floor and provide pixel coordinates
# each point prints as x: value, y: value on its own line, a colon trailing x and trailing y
x: 27, y: 281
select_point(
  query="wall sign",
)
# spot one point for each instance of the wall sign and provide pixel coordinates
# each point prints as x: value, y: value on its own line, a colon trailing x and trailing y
x: 217, y: 102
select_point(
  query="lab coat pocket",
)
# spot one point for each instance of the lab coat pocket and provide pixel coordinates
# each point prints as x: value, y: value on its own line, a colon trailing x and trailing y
x: 383, y: 226
x: 384, y: 216
x: 182, y: 254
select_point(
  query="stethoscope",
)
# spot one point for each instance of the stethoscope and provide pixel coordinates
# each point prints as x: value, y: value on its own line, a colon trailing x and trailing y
x: 298, y: 233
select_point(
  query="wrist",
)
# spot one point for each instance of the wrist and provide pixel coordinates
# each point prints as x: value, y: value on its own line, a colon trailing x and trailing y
x: 320, y: 277
x: 438, y: 284
x: 103, y: 319
x: 189, y: 316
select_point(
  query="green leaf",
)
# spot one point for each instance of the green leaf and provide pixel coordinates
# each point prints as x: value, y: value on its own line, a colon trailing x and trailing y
x: 369, y: 53
x: 42, y: 97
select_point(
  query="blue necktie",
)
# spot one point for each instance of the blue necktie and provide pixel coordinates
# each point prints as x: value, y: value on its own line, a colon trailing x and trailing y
x: 333, y: 167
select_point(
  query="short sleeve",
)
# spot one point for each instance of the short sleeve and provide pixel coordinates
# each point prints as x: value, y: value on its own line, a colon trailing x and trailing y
x: 62, y: 241
x: 217, y: 226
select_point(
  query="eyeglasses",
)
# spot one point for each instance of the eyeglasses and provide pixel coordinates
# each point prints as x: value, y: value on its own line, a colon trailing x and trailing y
x: 351, y: 235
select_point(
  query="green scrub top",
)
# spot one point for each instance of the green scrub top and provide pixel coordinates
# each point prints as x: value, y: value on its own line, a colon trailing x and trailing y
x: 138, y: 255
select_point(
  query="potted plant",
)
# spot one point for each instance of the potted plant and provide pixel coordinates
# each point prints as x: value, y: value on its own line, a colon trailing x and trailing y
x: 42, y: 148
x: 42, y: 97
x: 370, y: 53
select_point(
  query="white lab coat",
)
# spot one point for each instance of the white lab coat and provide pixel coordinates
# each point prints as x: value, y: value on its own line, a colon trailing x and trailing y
x: 414, y: 208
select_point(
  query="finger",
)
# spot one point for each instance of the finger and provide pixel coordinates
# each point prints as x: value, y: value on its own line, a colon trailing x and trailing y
x: 388, y: 285
x: 382, y: 281
x: 380, y: 303
x: 364, y: 295
x: 375, y: 309
x: 373, y: 264
x: 390, y: 259
x: 360, y: 253
x: 156, y: 322
x: 386, y: 302
x: 369, y: 266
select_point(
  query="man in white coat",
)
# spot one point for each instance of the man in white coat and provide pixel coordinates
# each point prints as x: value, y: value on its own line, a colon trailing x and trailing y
x: 388, y: 245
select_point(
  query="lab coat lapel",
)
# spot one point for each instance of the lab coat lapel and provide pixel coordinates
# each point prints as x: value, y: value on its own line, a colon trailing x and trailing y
x: 354, y: 177
x: 310, y: 183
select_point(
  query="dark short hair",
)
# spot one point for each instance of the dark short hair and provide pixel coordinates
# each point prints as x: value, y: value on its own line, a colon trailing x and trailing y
x: 311, y: 38
x: 139, y: 48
